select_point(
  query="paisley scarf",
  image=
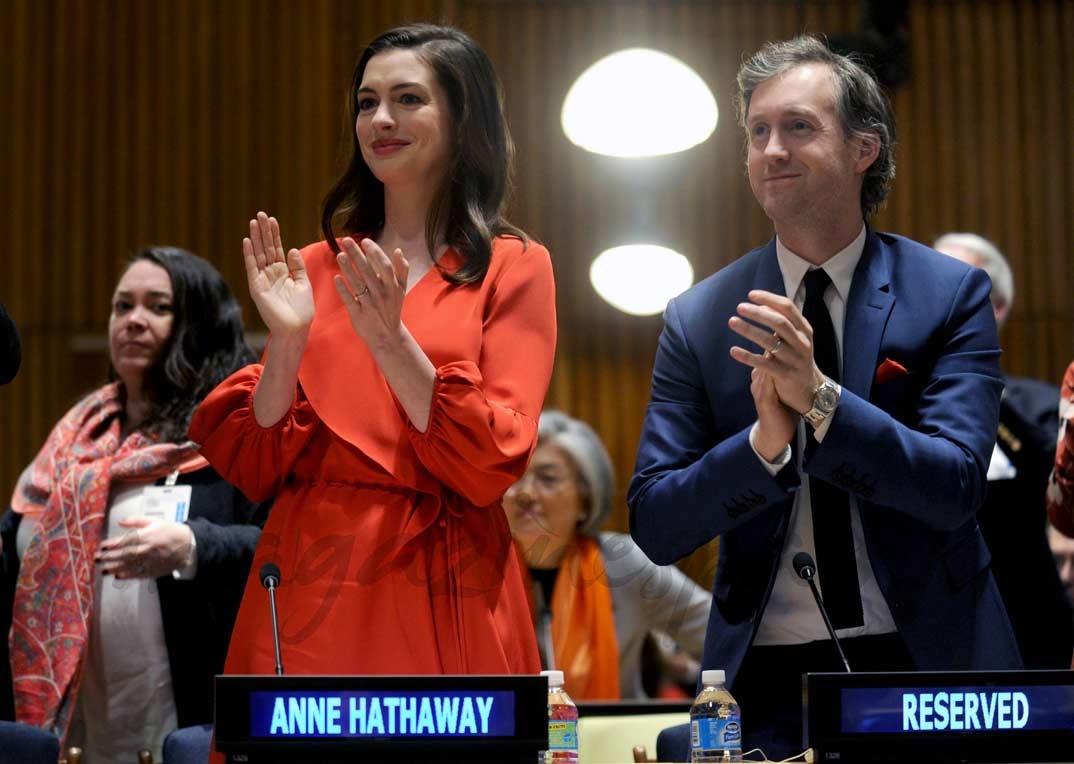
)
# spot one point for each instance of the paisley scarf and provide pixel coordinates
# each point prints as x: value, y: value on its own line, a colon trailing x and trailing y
x: 66, y: 488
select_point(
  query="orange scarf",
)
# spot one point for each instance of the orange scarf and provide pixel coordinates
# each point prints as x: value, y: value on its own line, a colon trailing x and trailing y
x: 583, y: 624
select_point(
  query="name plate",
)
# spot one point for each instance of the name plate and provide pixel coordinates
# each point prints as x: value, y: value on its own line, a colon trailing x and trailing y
x: 381, y: 718
x: 275, y: 714
x: 959, y: 716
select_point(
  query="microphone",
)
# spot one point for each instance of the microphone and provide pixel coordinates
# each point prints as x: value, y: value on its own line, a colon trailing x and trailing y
x: 806, y: 569
x: 270, y: 579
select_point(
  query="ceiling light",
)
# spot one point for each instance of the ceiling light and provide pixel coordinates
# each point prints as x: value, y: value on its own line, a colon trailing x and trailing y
x: 639, y: 102
x: 640, y: 278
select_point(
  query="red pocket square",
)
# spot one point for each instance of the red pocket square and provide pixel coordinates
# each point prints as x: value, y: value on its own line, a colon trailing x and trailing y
x: 889, y: 370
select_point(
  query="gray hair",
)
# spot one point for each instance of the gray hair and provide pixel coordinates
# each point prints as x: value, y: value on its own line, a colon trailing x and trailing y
x: 585, y: 448
x: 992, y: 262
x: 863, y: 108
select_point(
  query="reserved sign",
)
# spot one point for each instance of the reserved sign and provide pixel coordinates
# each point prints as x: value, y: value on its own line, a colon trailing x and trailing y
x: 957, y: 709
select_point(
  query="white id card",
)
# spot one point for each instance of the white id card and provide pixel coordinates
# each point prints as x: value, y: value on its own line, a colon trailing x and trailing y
x: 166, y: 502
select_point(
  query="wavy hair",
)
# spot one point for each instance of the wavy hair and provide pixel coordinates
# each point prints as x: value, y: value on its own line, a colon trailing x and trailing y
x: 205, y: 346
x: 863, y: 108
x: 469, y: 205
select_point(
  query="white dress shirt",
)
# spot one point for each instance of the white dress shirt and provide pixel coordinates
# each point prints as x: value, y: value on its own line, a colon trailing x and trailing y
x: 791, y: 617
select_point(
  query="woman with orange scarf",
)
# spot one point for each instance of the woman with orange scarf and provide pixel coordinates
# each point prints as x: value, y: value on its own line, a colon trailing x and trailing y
x: 596, y: 596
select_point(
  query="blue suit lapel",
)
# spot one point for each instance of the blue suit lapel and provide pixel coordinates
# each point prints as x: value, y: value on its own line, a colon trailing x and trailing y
x: 768, y: 276
x: 868, y: 310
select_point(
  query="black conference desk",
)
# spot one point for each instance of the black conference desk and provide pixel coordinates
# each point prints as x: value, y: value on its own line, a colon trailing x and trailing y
x: 851, y: 717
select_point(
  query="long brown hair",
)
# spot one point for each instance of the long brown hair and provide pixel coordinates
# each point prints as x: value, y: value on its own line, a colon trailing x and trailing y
x: 469, y: 205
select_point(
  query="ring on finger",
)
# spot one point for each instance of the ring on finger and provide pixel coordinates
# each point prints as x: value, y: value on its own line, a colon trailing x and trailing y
x: 775, y: 348
x: 360, y: 294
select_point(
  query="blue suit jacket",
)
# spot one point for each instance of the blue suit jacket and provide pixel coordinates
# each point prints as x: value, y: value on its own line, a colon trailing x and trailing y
x: 913, y: 449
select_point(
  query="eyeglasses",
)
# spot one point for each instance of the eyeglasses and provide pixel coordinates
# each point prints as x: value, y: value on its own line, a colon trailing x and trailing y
x: 544, y: 482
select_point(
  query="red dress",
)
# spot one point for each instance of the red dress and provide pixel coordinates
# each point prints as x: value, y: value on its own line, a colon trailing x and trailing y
x: 395, y: 553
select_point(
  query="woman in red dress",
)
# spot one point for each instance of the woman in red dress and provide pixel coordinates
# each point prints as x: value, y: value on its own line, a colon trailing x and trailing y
x: 399, y: 394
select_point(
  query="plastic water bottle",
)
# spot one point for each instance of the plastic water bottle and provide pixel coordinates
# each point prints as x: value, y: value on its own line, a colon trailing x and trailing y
x: 562, y: 723
x: 715, y: 722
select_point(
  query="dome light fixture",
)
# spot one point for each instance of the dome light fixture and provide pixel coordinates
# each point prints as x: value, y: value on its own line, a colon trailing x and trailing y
x: 639, y: 102
x: 639, y: 279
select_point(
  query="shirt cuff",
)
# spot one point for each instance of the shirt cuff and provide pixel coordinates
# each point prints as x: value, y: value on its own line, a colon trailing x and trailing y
x: 190, y: 567
x: 822, y: 430
x: 781, y: 461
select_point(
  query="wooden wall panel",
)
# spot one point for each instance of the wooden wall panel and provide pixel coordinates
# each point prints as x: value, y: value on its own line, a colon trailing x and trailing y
x: 135, y: 122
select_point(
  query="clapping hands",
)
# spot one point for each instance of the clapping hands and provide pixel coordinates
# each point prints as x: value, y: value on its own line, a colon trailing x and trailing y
x: 372, y: 286
x: 278, y: 282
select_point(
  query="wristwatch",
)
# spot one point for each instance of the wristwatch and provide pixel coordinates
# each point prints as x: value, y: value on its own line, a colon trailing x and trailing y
x: 825, y: 399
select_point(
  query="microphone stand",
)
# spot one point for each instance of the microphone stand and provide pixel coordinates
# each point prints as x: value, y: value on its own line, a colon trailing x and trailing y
x: 270, y: 579
x: 276, y: 627
x: 806, y: 568
x: 828, y: 623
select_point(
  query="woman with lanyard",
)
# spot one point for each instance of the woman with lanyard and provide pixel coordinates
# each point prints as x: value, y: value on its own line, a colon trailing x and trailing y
x: 124, y: 552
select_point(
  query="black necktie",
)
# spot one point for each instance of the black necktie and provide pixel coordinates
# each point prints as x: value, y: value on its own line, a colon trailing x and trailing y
x: 832, y: 535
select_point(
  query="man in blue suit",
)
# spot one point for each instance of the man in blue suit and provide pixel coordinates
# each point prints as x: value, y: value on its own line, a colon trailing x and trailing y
x: 834, y: 392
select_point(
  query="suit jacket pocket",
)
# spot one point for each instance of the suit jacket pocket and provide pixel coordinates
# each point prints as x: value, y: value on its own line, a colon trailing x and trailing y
x: 966, y: 559
x: 899, y: 397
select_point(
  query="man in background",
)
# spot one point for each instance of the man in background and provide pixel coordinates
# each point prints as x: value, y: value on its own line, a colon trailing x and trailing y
x: 1013, y: 517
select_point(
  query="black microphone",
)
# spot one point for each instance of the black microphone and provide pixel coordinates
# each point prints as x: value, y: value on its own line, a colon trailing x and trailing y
x: 270, y: 579
x: 806, y: 569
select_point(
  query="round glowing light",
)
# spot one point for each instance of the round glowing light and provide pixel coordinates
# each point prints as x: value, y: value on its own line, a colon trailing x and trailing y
x: 639, y: 102
x: 640, y: 278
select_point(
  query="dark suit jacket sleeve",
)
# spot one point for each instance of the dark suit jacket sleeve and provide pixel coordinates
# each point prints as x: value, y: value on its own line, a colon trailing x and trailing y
x: 9, y: 573
x: 200, y: 613
x: 687, y: 487
x: 10, y: 347
x: 935, y: 468
x: 1036, y: 406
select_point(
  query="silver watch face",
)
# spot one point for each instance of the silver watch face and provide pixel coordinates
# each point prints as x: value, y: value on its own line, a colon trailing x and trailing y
x: 825, y: 398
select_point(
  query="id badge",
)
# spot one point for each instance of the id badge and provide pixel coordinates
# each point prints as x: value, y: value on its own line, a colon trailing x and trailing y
x: 167, y: 502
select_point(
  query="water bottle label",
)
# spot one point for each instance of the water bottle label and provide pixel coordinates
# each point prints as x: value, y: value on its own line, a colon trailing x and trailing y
x: 715, y: 734
x: 562, y: 735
